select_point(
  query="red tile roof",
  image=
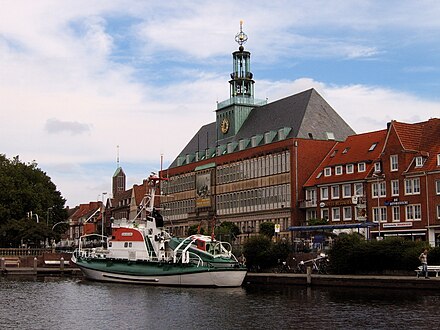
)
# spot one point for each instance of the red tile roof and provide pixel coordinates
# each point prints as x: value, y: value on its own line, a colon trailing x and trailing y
x: 355, y: 149
x: 424, y: 139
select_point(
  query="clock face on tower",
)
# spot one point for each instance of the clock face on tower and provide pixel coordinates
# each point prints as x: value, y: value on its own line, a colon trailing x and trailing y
x: 224, y: 126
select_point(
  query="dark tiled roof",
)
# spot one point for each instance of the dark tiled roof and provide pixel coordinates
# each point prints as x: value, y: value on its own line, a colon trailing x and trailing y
x: 306, y: 113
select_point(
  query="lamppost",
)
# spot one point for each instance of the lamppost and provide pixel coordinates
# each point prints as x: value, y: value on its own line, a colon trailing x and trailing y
x: 378, y: 176
x: 48, y: 215
x: 248, y: 230
x: 102, y: 218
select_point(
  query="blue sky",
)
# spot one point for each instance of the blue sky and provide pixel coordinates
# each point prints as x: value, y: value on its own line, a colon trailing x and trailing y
x: 78, y: 78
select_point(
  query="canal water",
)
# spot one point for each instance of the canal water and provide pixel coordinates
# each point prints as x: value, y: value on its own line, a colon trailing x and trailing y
x: 65, y: 303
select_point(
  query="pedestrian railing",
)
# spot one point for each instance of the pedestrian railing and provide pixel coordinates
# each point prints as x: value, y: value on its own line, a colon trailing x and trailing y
x: 23, y: 251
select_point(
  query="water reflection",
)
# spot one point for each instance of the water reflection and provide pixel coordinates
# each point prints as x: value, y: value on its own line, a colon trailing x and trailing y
x: 60, y: 303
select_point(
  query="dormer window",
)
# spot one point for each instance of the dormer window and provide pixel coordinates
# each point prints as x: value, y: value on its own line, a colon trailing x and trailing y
x: 361, y: 167
x: 377, y: 167
x: 349, y: 168
x: 419, y: 161
x: 373, y: 146
x: 338, y: 170
x: 330, y: 135
x: 327, y: 171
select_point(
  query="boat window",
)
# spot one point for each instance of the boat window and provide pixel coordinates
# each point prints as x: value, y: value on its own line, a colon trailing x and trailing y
x: 125, y: 244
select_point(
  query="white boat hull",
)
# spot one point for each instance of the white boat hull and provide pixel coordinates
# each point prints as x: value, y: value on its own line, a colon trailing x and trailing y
x: 230, y: 278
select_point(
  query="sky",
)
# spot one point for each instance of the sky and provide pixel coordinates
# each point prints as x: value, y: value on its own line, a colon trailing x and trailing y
x: 85, y: 81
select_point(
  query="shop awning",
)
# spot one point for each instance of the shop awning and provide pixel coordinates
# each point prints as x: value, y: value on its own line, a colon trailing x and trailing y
x: 332, y: 227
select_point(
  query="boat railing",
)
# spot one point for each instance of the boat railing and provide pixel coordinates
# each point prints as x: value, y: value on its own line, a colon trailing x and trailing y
x: 188, y: 257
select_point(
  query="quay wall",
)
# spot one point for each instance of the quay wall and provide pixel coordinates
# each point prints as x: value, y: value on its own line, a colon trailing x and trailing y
x: 366, y: 281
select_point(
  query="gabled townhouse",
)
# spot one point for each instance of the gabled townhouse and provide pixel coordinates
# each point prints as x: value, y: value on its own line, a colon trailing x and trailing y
x: 84, y: 220
x: 406, y: 182
x: 127, y: 204
x: 338, y: 188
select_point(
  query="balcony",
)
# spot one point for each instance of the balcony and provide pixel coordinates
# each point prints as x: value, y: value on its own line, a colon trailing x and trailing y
x: 305, y: 204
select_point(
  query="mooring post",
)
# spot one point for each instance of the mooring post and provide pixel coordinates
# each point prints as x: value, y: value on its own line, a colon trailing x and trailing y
x: 62, y: 264
x: 2, y: 264
x: 35, y: 263
x: 309, y: 275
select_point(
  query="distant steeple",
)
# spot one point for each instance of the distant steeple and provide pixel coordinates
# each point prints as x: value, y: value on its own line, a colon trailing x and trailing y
x: 119, y: 178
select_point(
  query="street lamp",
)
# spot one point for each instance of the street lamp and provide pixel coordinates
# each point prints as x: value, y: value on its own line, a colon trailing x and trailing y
x: 102, y: 218
x: 378, y: 176
x: 48, y: 214
x: 248, y: 230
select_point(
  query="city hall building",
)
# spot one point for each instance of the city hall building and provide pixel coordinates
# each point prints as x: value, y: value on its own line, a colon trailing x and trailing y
x: 249, y: 165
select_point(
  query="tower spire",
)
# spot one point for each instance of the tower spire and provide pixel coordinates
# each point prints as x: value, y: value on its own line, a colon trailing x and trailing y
x: 117, y: 156
x: 241, y: 37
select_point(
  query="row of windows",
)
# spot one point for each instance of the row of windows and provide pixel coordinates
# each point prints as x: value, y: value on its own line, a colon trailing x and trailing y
x: 178, y: 209
x: 345, y: 190
x: 412, y: 187
x: 265, y: 198
x: 419, y: 161
x: 338, y: 170
x: 412, y: 213
x: 347, y: 213
x: 179, y: 183
x: 254, y: 168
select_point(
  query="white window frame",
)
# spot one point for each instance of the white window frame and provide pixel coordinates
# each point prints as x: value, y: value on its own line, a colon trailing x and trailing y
x: 311, y: 196
x: 338, y: 170
x: 394, y: 163
x: 362, y: 167
x: 377, y: 167
x: 336, y: 214
x: 347, y: 213
x: 396, y: 213
x: 419, y: 161
x: 394, y: 187
x: 437, y: 187
x: 378, y: 188
x: 438, y: 160
x: 349, y: 168
x: 336, y: 192
x: 355, y: 192
x: 346, y: 190
x: 321, y: 193
x: 327, y: 171
x: 323, y: 216
x: 381, y: 212
x: 412, y: 186
x: 438, y: 212
x: 413, y: 212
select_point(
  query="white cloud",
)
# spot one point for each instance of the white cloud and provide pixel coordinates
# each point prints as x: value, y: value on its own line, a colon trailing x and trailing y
x: 67, y: 98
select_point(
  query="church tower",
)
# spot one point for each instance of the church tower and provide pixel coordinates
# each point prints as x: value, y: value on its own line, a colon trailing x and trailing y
x: 119, y: 179
x: 232, y: 113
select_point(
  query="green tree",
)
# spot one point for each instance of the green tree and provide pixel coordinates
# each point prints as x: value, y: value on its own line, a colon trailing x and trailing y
x: 26, y: 189
x: 317, y: 222
x: 267, y: 229
x: 192, y: 230
x: 227, y: 231
x: 257, y: 251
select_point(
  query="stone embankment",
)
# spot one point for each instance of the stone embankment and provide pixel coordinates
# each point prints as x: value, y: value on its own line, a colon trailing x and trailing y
x: 366, y: 281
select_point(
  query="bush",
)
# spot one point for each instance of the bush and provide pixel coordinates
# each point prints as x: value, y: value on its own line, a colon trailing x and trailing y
x: 262, y: 253
x: 351, y: 254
